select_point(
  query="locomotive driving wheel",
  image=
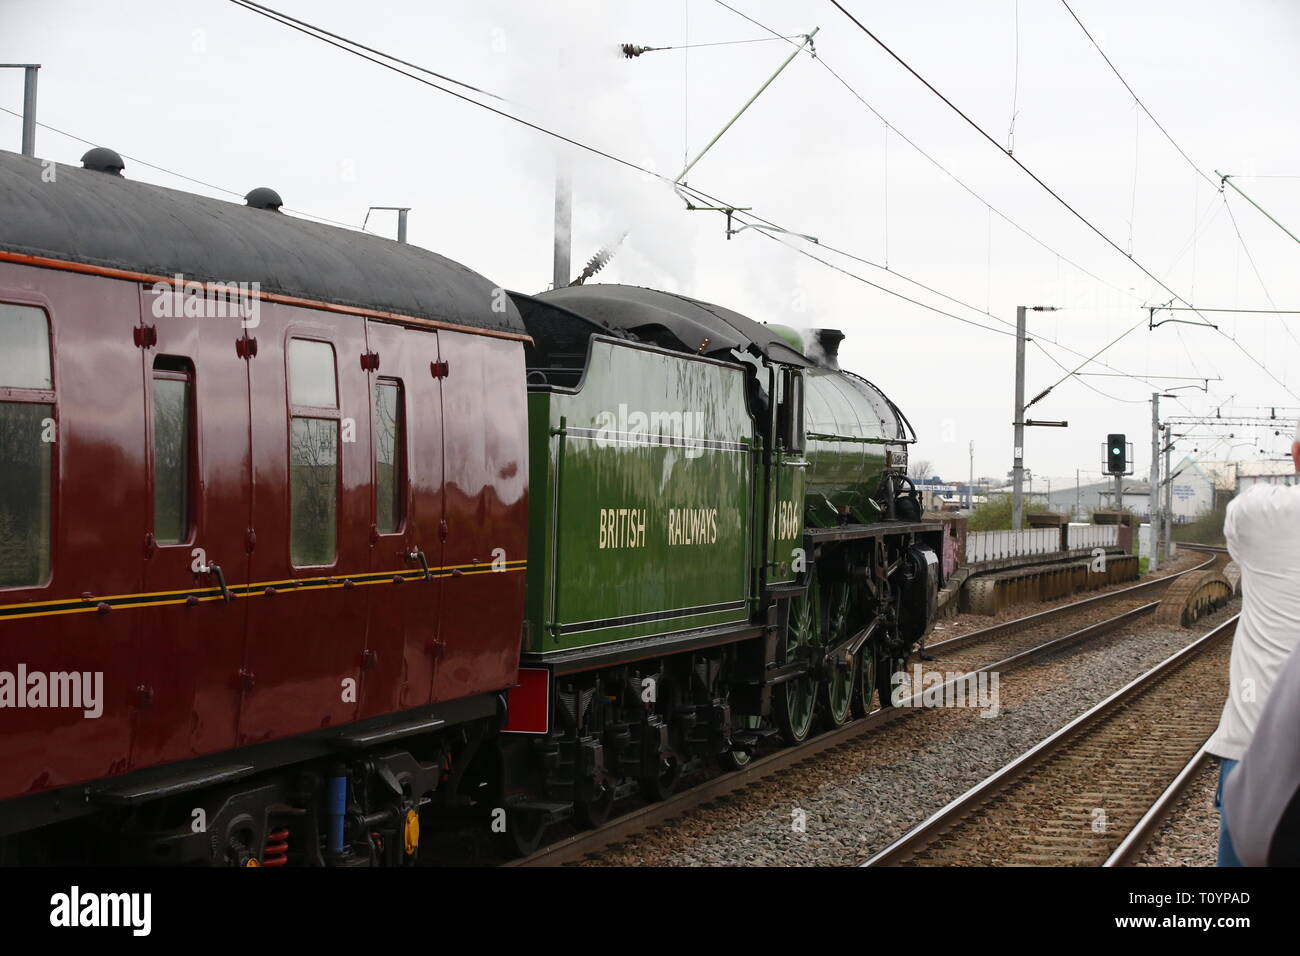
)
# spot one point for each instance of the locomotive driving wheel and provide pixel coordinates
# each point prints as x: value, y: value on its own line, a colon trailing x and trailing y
x: 889, y: 660
x: 592, y: 812
x: 735, y: 759
x: 836, y: 691
x: 864, y: 686
x: 661, y: 787
x: 523, y: 832
x: 794, y: 701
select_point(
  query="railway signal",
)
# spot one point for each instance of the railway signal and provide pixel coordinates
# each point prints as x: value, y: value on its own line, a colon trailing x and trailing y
x: 1116, y: 455
x: 1116, y: 458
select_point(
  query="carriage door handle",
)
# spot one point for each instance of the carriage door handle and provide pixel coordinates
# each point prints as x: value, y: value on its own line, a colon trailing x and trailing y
x: 418, y: 555
x: 215, y: 570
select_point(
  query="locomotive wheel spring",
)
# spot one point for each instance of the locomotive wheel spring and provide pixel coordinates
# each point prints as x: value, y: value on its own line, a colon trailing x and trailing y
x: 277, y: 848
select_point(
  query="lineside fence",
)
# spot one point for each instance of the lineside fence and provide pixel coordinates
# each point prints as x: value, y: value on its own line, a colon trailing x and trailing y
x: 984, y: 546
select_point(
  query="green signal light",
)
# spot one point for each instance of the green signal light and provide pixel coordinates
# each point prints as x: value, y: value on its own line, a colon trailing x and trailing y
x: 1114, y: 451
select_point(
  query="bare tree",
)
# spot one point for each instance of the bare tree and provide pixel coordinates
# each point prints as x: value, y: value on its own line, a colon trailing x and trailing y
x: 921, y: 468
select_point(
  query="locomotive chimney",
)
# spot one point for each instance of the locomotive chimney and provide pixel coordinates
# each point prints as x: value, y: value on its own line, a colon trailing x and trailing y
x: 829, y: 340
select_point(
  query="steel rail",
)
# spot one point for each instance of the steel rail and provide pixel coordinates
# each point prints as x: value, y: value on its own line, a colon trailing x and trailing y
x: 940, y: 822
x: 580, y: 845
x: 1137, y: 839
x: 1064, y: 610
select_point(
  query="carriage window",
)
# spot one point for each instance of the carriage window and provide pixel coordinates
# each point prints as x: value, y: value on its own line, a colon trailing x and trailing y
x: 173, y: 380
x: 792, y: 416
x: 24, y: 347
x: 27, y: 442
x: 313, y: 454
x: 314, y: 490
x: 390, y: 453
x: 311, y: 374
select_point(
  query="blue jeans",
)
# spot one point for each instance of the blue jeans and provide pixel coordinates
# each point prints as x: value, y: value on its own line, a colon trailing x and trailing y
x: 1227, y: 855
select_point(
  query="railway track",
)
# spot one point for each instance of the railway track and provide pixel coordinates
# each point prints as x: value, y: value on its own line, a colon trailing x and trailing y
x: 1145, y: 829
x: 1154, y: 586
x: 1094, y: 791
x: 580, y: 845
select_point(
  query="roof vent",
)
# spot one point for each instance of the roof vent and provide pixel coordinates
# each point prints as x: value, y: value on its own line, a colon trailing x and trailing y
x: 103, y: 160
x: 264, y: 197
x: 829, y: 340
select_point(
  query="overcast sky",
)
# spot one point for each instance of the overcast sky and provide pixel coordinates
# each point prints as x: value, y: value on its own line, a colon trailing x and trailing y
x: 211, y: 91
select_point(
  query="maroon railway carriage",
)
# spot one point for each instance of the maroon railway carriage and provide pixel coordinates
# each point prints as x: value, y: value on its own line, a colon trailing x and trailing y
x: 263, y: 500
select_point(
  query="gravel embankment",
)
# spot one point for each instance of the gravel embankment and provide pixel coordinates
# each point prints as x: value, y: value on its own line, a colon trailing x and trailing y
x: 848, y: 803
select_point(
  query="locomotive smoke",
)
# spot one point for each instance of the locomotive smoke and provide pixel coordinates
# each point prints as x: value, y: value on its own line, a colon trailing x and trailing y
x: 567, y: 73
x: 812, y: 348
x: 815, y: 348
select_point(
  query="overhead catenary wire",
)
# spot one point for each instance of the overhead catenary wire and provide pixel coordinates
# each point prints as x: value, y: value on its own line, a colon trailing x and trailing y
x: 893, y: 272
x: 1041, y: 342
x: 344, y: 43
x: 1029, y: 172
x: 1077, y: 377
x: 276, y: 17
x: 686, y: 83
x: 231, y: 192
x: 341, y: 42
x: 1015, y: 86
x: 1050, y: 191
x: 1201, y: 225
x: 1095, y: 358
x: 270, y: 14
x: 254, y: 5
x: 1202, y: 174
x: 886, y: 289
x: 171, y: 172
x: 1137, y: 99
x: 1258, y: 277
x: 993, y: 210
x: 1074, y: 372
x: 891, y: 128
x: 1244, y: 248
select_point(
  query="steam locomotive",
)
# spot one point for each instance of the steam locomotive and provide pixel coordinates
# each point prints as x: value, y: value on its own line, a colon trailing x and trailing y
x: 309, y: 539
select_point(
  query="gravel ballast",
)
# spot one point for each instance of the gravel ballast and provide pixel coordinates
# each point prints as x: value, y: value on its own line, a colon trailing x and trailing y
x: 846, y: 804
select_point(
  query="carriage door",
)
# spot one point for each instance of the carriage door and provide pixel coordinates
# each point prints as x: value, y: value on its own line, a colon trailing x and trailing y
x: 69, y: 449
x: 305, y: 653
x: 197, y: 478
x: 486, y: 468
x: 789, y: 466
x: 406, y: 531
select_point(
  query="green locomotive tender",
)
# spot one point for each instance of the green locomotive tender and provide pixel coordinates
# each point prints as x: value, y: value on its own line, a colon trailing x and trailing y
x: 723, y: 547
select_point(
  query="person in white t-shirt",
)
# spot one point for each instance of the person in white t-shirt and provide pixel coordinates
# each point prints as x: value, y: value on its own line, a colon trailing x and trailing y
x: 1263, y: 533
